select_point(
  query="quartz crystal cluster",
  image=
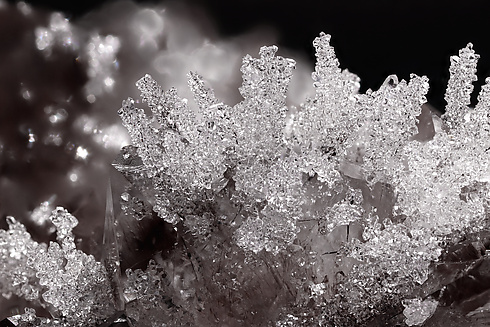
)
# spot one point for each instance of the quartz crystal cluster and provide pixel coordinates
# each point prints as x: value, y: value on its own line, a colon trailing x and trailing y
x: 336, y: 212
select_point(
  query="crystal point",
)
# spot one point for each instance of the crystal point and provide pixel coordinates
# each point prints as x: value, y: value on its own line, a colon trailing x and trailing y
x: 111, y: 257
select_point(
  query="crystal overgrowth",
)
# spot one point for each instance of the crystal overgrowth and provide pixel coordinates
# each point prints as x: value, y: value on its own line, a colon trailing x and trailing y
x: 187, y: 152
x: 334, y: 213
x: 68, y: 283
x: 324, y: 162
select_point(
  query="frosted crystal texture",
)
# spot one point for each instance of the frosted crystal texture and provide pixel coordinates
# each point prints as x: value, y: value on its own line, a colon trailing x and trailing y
x: 327, y: 214
x: 348, y: 209
x: 336, y: 134
x: 17, y: 275
x: 321, y: 128
x: 186, y: 151
x: 441, y: 188
x: 430, y: 190
x: 460, y: 85
x: 341, y: 131
x: 417, y: 311
x: 29, y: 319
x: 349, y: 205
x: 392, y: 251
x: 443, y: 184
x: 64, y: 280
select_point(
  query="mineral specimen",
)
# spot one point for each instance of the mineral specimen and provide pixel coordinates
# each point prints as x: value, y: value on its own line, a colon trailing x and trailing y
x: 331, y: 213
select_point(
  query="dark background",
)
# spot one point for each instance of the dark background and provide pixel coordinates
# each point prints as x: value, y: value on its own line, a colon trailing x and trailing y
x: 372, y: 38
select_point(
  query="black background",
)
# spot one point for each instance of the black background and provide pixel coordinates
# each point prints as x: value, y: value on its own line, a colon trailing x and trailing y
x: 372, y: 38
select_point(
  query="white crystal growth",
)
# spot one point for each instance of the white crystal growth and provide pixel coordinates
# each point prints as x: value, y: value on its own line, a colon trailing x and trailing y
x: 337, y: 133
x: 341, y: 158
x: 417, y: 311
x: 186, y: 150
x: 70, y: 281
x: 460, y: 85
x: 330, y: 205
